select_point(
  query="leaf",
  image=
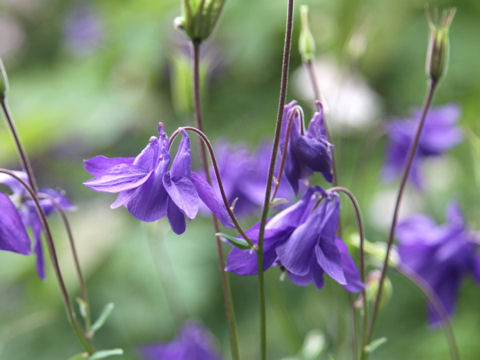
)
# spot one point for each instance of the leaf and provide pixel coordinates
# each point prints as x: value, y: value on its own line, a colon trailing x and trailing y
x: 375, y: 344
x: 239, y: 243
x: 106, y: 353
x: 81, y: 356
x: 83, y: 307
x: 107, y: 310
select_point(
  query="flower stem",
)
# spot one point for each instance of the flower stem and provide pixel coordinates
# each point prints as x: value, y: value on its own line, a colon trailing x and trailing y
x: 227, y: 294
x: 21, y: 151
x: 76, y: 260
x: 86, y: 343
x: 266, y: 203
x: 432, y: 85
x: 209, y: 146
x: 433, y: 299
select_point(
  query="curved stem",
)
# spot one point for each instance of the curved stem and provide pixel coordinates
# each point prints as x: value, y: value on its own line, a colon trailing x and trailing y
x: 268, y: 189
x: 433, y: 299
x: 358, y: 215
x: 71, y: 240
x: 209, y: 146
x: 88, y: 346
x: 227, y: 293
x: 411, y: 155
x: 21, y: 151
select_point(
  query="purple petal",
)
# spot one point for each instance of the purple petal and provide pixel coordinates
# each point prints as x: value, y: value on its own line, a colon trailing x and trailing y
x: 313, y: 153
x: 354, y: 283
x: 148, y: 202
x: 181, y: 166
x: 330, y: 260
x: 38, y: 248
x: 301, y: 280
x: 13, y: 236
x: 148, y: 158
x: 183, y: 193
x: 176, y: 218
x: 210, y: 198
x: 100, y: 165
x: 120, y: 178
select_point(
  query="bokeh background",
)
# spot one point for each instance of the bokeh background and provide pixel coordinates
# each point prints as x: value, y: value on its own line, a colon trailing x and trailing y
x: 95, y: 77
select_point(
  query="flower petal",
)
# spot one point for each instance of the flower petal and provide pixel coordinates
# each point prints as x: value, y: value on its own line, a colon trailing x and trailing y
x: 176, y: 218
x: 37, y: 247
x: 210, y: 198
x: 119, y: 178
x: 148, y: 158
x: 100, y: 165
x: 13, y: 236
x: 354, y: 283
x: 183, y: 193
x: 181, y: 166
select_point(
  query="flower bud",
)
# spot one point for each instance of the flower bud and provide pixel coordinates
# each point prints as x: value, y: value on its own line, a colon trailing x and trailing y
x: 306, y: 43
x: 438, y: 48
x: 199, y: 18
x: 373, y: 282
x: 3, y: 80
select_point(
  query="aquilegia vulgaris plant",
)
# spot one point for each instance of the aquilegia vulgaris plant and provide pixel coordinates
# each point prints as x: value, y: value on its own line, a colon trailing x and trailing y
x: 289, y: 189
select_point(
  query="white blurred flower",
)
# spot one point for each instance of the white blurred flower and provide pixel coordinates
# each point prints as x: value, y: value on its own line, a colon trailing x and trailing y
x: 350, y: 102
x: 12, y: 36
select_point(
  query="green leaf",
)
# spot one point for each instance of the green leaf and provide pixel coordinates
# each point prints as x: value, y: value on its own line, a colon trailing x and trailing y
x: 83, y: 307
x: 239, y: 243
x: 81, y: 356
x: 107, y: 310
x: 106, y: 353
x: 375, y: 344
x: 278, y: 201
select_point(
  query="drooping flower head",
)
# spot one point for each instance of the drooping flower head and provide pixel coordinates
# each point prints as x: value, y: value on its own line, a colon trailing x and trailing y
x: 442, y: 255
x: 440, y: 133
x: 27, y: 212
x: 307, y: 152
x: 150, y: 190
x: 244, y: 175
x: 302, y: 240
x: 193, y: 343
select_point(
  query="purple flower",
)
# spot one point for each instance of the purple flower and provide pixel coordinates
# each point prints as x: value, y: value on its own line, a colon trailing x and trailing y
x: 307, y: 152
x: 193, y: 343
x: 441, y: 255
x: 13, y: 236
x: 83, y: 30
x: 27, y: 211
x: 244, y: 175
x: 439, y: 134
x: 150, y: 190
x: 302, y: 240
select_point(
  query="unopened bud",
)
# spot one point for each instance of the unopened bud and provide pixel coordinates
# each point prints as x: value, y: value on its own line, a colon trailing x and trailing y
x: 306, y: 43
x: 373, y: 283
x: 199, y: 18
x: 3, y: 80
x: 438, y: 48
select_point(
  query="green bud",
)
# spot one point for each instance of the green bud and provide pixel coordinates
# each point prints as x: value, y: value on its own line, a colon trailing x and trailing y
x: 373, y: 282
x: 3, y: 80
x: 306, y: 43
x: 199, y: 18
x: 438, y: 48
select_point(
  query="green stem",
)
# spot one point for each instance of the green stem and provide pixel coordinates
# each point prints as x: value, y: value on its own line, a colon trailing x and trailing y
x: 411, y: 155
x: 226, y: 291
x: 268, y: 190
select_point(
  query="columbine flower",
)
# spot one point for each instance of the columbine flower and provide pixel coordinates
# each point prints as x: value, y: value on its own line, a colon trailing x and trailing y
x: 149, y: 190
x: 29, y: 215
x: 440, y: 133
x: 13, y: 236
x: 302, y: 240
x: 244, y: 176
x: 441, y: 255
x: 306, y: 153
x: 193, y: 343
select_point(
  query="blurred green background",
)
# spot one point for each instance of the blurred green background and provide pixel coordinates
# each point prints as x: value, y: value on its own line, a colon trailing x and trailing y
x: 95, y: 77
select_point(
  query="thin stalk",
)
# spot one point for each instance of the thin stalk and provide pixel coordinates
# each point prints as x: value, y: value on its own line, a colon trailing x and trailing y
x: 209, y: 146
x: 266, y: 203
x: 358, y: 216
x: 433, y: 299
x: 86, y: 343
x: 411, y: 155
x: 76, y: 261
x: 227, y: 293
x: 18, y: 144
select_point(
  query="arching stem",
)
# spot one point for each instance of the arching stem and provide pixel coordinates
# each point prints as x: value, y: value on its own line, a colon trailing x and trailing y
x: 86, y: 343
